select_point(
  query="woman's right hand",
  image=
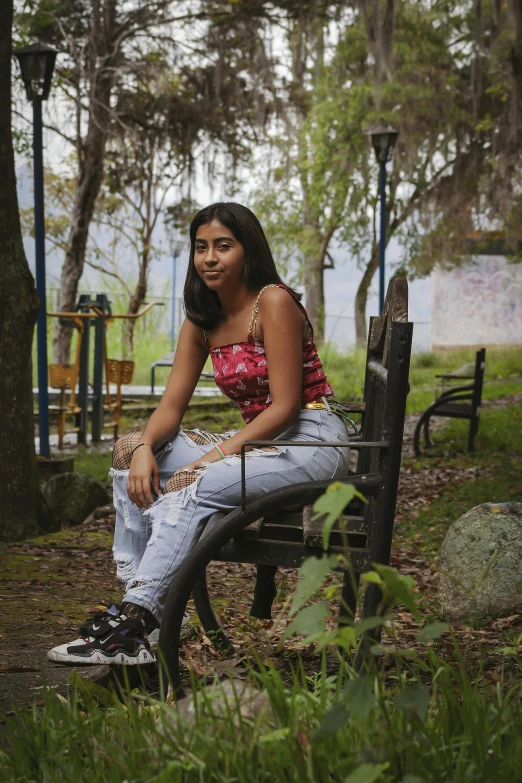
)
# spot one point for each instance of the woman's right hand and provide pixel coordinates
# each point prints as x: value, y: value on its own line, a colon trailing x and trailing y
x: 143, y: 476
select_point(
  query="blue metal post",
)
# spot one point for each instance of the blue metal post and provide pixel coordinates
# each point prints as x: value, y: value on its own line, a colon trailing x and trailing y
x: 173, y: 306
x: 382, y: 242
x: 39, y: 241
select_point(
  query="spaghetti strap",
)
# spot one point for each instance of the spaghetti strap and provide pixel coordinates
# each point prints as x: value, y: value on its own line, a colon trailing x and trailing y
x: 255, y: 311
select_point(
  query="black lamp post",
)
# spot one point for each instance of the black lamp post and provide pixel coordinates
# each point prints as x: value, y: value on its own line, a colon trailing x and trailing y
x: 37, y: 65
x: 384, y: 139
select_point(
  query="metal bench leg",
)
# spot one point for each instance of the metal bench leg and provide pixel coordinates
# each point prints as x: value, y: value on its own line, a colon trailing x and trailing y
x: 208, y: 619
x: 349, y: 592
x: 427, y: 439
x: 264, y: 592
x: 202, y: 599
x: 416, y: 435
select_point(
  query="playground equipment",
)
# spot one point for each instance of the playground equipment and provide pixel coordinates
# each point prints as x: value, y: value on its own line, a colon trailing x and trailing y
x: 64, y: 377
x: 96, y: 313
x: 118, y: 372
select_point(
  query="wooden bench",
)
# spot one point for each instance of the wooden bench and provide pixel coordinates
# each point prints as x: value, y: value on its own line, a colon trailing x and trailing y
x: 278, y: 529
x: 457, y: 402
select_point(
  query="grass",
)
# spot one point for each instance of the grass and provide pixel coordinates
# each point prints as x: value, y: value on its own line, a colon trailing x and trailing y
x: 498, y: 449
x: 426, y: 722
x: 503, y: 373
x: 345, y: 372
x: 97, y: 464
x: 428, y: 718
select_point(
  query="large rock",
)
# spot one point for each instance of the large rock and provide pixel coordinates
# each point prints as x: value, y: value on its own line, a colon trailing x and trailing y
x: 222, y: 699
x: 481, y: 563
x: 48, y: 520
x: 73, y: 496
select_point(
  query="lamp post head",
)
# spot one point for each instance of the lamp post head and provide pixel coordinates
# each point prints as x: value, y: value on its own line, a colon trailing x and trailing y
x: 37, y: 66
x: 176, y: 246
x: 384, y: 138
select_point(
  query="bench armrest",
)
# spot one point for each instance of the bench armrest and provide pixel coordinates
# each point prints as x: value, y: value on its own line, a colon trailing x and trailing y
x: 383, y: 444
x: 456, y: 390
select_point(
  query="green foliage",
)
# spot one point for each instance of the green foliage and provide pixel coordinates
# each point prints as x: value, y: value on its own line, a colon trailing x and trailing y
x: 427, y: 722
x: 431, y: 631
x: 423, y: 720
x: 332, y: 505
x: 311, y: 576
x: 427, y: 359
x: 431, y: 722
x: 366, y: 773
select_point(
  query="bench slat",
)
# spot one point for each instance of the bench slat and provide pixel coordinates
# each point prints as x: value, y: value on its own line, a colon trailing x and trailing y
x: 454, y: 410
x: 353, y: 407
x: 251, y: 533
x: 283, y: 553
x: 313, y: 528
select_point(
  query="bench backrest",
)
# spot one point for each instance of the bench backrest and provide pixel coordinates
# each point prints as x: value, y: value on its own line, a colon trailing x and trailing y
x: 388, y: 358
x: 385, y: 392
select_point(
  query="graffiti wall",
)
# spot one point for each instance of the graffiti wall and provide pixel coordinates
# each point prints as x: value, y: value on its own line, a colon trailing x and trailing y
x: 477, y: 304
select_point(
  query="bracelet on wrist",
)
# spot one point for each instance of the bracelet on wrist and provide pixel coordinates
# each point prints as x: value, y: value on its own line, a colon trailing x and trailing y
x: 139, y: 446
x: 220, y: 451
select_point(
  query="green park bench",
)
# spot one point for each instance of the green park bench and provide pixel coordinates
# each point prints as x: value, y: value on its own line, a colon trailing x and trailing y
x: 455, y: 402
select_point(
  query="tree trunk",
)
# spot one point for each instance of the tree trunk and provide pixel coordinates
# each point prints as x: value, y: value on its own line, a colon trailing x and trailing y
x: 18, y: 310
x: 361, y: 333
x: 136, y: 301
x: 516, y: 53
x: 90, y: 167
x: 87, y: 189
x: 314, y: 289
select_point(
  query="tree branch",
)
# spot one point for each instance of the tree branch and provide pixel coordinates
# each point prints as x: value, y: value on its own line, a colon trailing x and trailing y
x: 111, y: 274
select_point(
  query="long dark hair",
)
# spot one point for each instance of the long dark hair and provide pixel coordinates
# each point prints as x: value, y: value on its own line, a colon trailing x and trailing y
x: 202, y: 306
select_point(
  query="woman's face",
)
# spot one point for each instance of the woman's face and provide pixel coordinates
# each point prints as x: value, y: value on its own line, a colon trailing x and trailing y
x: 218, y: 257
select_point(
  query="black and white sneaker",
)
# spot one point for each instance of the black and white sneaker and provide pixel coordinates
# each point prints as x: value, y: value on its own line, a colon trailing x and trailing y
x: 107, y: 639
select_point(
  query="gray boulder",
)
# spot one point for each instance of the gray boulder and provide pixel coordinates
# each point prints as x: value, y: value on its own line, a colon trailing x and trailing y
x: 220, y: 700
x: 481, y: 563
x: 73, y: 496
x: 48, y: 521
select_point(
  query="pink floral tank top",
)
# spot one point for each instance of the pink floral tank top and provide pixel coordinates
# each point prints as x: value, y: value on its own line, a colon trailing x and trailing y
x: 241, y: 369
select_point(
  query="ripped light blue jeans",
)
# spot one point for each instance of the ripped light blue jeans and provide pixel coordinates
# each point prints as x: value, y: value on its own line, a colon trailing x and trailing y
x: 150, y: 546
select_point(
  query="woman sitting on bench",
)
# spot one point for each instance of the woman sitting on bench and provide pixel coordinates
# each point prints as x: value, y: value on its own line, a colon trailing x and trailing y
x: 168, y: 482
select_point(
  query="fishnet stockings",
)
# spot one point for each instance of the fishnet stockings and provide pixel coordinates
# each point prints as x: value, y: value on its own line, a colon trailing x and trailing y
x: 180, y: 481
x: 122, y: 453
x: 199, y: 439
